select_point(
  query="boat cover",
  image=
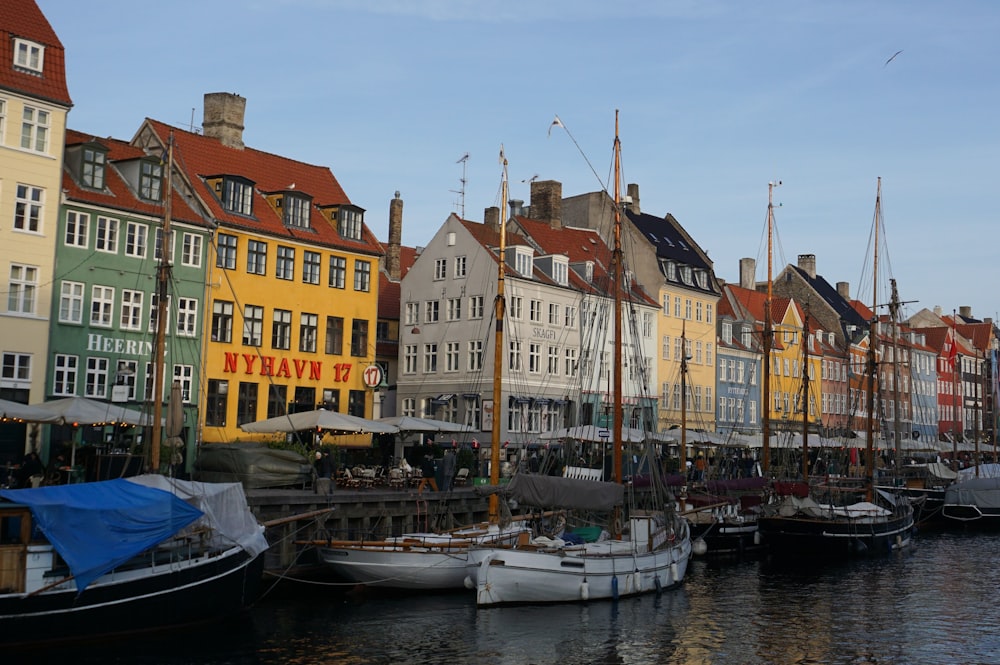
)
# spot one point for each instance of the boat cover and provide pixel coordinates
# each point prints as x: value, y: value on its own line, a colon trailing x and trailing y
x: 557, y: 492
x: 983, y: 493
x: 97, y: 526
x: 253, y: 465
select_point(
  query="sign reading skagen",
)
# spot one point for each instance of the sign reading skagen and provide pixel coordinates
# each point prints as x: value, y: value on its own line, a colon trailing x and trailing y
x: 119, y: 345
x: 282, y: 367
x: 543, y: 333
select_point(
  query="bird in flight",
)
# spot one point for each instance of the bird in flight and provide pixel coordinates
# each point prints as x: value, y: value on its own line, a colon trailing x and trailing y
x: 892, y: 58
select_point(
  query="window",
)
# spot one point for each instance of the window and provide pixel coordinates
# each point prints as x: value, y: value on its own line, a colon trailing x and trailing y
x: 570, y: 316
x: 191, y: 250
x: 106, y: 239
x: 534, y: 358
x: 71, y: 302
x: 216, y: 403
x: 535, y: 311
x: 516, y: 307
x: 253, y: 325
x: 226, y: 249
x: 440, y: 268
x: 257, y: 257
x: 334, y: 336
x: 472, y: 412
x: 126, y: 375
x: 28, y: 208
x: 451, y: 356
x: 410, y: 359
x: 296, y: 211
x: 460, y: 267
x: 64, y: 374
x: 356, y: 403
x: 237, y: 196
x: 665, y: 348
x: 349, y: 223
x: 687, y: 309
x: 382, y: 333
x: 432, y: 310
x: 131, y: 316
x: 102, y: 303
x: 29, y: 55
x: 154, y: 313
x: 476, y: 307
x: 553, y: 360
x: 647, y: 325
x: 514, y: 355
x: 92, y: 172
x: 412, y: 314
x: 310, y: 267
x: 136, y: 237
x: 23, y: 285
x: 362, y: 275
x: 277, y: 400
x: 359, y: 338
x: 338, y: 272
x: 158, y: 245
x: 246, y: 403
x: 77, y: 224
x: 677, y: 306
x: 308, y: 330
x: 430, y: 357
x: 281, y: 329
x: 97, y: 378
x: 286, y: 263
x: 523, y: 263
x: 708, y: 312
x: 409, y: 406
x: 476, y: 355
x: 454, y: 309
x: 698, y: 313
x: 222, y: 321
x: 16, y: 367
x: 571, y: 366
x: 187, y: 317
x: 184, y: 374
x: 35, y: 129
x: 150, y: 176
x: 560, y: 272
x: 553, y: 314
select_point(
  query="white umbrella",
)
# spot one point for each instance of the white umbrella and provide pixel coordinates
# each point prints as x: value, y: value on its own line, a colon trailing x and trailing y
x: 18, y: 411
x: 84, y: 411
x: 595, y: 434
x: 319, y: 419
x: 412, y: 424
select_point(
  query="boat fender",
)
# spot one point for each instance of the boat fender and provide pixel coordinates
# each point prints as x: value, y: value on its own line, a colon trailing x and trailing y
x: 584, y: 590
x: 468, y: 583
x: 756, y: 537
x: 614, y: 588
x: 637, y: 581
x: 673, y: 571
x: 699, y: 547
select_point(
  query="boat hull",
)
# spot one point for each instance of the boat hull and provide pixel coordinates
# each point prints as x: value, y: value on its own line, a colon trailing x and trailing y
x: 791, y: 536
x: 729, y: 539
x: 195, y: 591
x: 594, y: 571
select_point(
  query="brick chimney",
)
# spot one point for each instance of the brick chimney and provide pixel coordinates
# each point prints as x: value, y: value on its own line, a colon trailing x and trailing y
x: 965, y: 311
x: 748, y: 270
x: 546, y: 202
x: 807, y: 263
x: 844, y: 290
x: 395, y: 237
x: 633, y: 198
x: 491, y: 218
x: 223, y: 118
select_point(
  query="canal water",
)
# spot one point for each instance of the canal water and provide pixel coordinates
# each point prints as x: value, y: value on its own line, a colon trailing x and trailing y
x: 935, y: 604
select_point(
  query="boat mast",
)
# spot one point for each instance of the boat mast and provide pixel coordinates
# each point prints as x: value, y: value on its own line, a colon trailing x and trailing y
x: 162, y: 286
x: 955, y: 361
x: 897, y: 417
x: 805, y: 395
x: 684, y: 371
x: 616, y: 286
x: 499, y: 312
x: 768, y: 338
x: 872, y: 364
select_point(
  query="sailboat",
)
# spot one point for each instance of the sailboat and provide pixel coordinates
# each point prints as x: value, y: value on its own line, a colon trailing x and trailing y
x: 847, y: 520
x: 430, y: 561
x: 643, y: 551
x: 92, y: 559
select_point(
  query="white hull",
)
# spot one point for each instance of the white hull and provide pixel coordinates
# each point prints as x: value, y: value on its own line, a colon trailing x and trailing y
x: 415, y: 561
x: 594, y: 571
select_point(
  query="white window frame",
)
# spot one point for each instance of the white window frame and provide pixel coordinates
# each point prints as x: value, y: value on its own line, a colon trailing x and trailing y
x: 64, y: 374
x: 131, y: 310
x: 412, y: 315
x: 476, y: 307
x: 35, y: 126
x: 15, y: 368
x: 22, y: 289
x: 29, y: 55
x: 451, y: 356
x: 29, y: 208
x: 77, y: 229
x: 461, y: 264
x: 71, y: 296
x: 440, y: 269
x: 106, y: 235
x: 187, y: 317
x: 185, y: 375
x: 454, y: 309
x: 102, y: 306
x: 96, y: 382
x: 475, y: 355
x: 136, y: 240
x: 191, y: 250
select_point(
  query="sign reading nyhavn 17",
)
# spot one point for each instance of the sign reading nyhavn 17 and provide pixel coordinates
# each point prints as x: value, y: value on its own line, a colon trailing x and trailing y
x: 251, y: 363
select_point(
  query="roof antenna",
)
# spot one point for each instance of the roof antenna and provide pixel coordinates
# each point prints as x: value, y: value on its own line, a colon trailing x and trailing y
x: 464, y: 161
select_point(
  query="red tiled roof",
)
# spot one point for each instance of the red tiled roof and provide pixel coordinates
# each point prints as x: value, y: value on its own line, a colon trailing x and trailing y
x: 388, y: 297
x: 201, y: 157
x: 117, y: 194
x: 23, y: 18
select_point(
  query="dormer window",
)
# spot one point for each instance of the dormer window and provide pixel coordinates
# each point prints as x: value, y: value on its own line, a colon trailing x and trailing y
x: 237, y: 195
x: 92, y: 168
x: 296, y: 209
x: 727, y: 332
x: 701, y: 277
x: 150, y: 180
x: 669, y: 269
x: 349, y: 221
x: 686, y: 274
x: 29, y: 56
x: 523, y: 262
x: 560, y: 270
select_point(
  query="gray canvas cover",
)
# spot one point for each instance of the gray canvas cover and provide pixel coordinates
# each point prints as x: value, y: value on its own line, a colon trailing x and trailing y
x: 981, y: 492
x: 557, y: 492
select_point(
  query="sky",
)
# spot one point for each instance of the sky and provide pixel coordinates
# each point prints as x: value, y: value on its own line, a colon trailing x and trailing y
x: 716, y: 98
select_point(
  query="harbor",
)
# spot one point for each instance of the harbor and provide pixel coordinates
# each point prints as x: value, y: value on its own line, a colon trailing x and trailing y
x: 892, y: 610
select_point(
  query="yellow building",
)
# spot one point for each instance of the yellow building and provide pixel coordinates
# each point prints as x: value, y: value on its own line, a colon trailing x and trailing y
x: 292, y: 294
x: 34, y: 102
x: 793, y: 398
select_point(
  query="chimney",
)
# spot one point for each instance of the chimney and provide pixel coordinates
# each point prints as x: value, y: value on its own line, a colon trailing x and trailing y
x: 748, y: 269
x: 395, y: 237
x: 807, y: 262
x: 632, y: 202
x: 965, y: 311
x: 516, y: 207
x: 546, y: 202
x: 491, y: 217
x: 844, y: 290
x: 223, y: 118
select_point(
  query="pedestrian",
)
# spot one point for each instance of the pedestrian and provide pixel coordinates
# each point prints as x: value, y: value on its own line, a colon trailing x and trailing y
x: 447, y: 470
x: 427, y: 473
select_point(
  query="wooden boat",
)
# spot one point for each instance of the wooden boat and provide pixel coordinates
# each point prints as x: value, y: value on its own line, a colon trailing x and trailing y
x: 83, y: 561
x: 649, y: 554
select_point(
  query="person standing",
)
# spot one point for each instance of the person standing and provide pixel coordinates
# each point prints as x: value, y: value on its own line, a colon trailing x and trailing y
x: 447, y: 470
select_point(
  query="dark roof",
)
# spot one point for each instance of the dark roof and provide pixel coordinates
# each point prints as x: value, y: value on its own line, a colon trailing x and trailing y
x: 674, y: 244
x: 848, y: 315
x: 23, y: 18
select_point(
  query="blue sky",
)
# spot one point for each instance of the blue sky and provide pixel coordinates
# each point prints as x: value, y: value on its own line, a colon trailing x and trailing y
x: 717, y: 98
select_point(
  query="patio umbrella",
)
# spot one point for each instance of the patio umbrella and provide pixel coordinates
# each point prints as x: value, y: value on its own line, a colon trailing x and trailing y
x: 84, y: 411
x: 319, y: 419
x: 412, y: 424
x: 595, y: 434
x: 18, y: 411
x: 175, y: 422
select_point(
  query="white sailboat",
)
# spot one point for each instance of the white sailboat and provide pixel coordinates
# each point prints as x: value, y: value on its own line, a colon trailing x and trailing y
x: 649, y: 554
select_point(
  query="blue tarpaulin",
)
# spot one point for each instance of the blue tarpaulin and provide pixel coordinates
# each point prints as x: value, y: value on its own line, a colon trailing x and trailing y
x: 97, y: 526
